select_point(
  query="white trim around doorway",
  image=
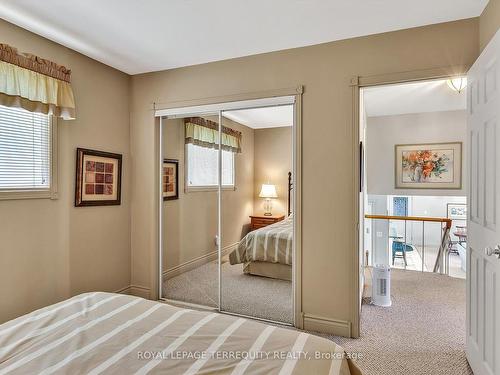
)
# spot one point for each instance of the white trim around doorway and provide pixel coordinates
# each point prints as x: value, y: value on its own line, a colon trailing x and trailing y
x: 357, y: 83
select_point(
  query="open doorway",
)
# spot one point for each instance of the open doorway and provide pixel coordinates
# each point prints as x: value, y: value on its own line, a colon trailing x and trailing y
x: 413, y: 134
x: 414, y: 137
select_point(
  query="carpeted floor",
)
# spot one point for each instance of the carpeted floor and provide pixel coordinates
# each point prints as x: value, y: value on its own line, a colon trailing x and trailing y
x: 414, y: 261
x: 257, y: 296
x: 423, y: 332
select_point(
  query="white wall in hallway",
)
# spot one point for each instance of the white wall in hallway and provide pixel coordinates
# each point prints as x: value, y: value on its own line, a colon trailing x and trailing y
x: 379, y: 230
x: 384, y: 132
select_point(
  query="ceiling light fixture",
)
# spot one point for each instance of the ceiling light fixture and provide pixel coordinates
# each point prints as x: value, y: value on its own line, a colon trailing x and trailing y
x: 458, y: 84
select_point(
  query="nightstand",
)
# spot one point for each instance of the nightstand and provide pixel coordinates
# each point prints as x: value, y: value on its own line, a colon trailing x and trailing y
x: 261, y: 221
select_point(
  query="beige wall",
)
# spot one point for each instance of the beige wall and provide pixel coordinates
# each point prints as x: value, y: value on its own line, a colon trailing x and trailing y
x: 489, y: 22
x: 50, y: 250
x: 273, y: 161
x: 190, y: 223
x: 238, y: 205
x: 328, y: 172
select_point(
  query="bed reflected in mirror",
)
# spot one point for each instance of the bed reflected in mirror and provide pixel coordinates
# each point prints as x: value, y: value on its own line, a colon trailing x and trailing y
x: 256, y: 268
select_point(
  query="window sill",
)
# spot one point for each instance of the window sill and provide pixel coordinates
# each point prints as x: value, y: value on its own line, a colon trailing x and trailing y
x: 195, y: 189
x: 27, y: 194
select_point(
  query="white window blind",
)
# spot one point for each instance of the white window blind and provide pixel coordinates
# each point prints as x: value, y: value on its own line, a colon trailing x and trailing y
x: 25, y: 150
x: 202, y: 167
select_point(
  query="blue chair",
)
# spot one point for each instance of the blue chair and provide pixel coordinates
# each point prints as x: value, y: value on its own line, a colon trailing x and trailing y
x: 399, y: 250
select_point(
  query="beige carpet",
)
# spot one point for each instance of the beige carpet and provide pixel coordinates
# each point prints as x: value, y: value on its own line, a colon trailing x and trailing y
x: 414, y: 261
x: 256, y: 296
x: 423, y: 332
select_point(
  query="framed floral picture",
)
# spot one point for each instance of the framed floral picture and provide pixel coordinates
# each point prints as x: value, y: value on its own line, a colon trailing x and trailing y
x: 170, y: 180
x: 98, y: 178
x: 429, y: 166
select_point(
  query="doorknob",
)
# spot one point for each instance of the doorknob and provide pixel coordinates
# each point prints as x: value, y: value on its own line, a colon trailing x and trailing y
x: 490, y: 251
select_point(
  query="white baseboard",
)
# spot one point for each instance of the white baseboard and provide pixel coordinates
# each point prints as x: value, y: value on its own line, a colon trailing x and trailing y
x: 326, y: 325
x: 196, y: 262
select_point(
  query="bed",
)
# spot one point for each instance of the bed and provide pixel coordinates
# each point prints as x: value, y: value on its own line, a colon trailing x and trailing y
x: 268, y: 251
x: 96, y: 333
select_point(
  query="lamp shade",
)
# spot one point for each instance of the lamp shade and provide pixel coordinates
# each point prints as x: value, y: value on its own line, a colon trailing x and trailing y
x: 268, y: 191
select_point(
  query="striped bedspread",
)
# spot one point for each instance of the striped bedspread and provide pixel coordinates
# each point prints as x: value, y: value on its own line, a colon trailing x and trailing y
x: 96, y: 333
x: 269, y: 244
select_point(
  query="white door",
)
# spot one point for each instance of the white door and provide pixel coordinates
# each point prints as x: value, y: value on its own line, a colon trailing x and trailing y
x: 483, y: 267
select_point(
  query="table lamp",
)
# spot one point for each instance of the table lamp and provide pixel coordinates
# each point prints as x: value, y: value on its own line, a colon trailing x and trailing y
x: 268, y: 192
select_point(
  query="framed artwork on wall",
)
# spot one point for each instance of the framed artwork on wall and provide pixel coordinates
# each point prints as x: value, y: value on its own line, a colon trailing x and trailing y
x: 457, y: 211
x: 98, y: 178
x: 428, y: 166
x: 170, y: 180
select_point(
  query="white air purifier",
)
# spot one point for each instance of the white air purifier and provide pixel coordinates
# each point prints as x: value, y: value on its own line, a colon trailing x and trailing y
x: 381, y: 285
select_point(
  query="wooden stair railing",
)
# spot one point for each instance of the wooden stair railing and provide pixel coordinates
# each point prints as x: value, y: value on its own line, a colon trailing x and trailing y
x: 439, y: 265
x: 412, y: 218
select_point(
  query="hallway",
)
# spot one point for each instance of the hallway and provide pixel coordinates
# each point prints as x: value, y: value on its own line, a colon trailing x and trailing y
x: 423, y: 332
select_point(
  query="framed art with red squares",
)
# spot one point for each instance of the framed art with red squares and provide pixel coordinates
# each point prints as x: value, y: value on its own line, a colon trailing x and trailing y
x: 98, y: 178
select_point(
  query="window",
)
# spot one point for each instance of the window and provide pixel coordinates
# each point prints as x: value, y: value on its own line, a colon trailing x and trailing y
x: 400, y: 206
x: 27, y: 154
x: 201, y: 167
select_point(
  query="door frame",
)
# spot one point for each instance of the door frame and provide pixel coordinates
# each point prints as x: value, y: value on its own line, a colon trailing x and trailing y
x: 230, y: 102
x: 357, y: 83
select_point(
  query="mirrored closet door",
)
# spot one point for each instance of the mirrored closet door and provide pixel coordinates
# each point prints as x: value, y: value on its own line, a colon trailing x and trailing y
x: 256, y: 267
x: 227, y: 230
x: 190, y: 210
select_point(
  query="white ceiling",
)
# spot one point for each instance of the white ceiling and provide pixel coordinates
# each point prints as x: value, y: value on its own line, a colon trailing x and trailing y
x: 143, y: 36
x: 418, y: 97
x: 261, y: 118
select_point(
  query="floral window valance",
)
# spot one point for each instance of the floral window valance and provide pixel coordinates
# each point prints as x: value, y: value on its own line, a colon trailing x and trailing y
x: 35, y: 84
x: 205, y: 133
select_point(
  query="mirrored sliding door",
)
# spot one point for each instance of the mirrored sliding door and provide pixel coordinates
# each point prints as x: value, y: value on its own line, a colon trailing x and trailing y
x: 226, y: 212
x: 257, y: 231
x: 190, y: 210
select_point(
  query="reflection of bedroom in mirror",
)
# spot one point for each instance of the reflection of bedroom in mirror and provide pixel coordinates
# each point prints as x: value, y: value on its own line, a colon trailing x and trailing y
x: 189, y: 222
x: 227, y: 238
x: 256, y: 267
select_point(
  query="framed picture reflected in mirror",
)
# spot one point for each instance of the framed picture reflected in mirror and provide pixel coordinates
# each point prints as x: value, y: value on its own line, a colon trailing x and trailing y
x: 170, y: 179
